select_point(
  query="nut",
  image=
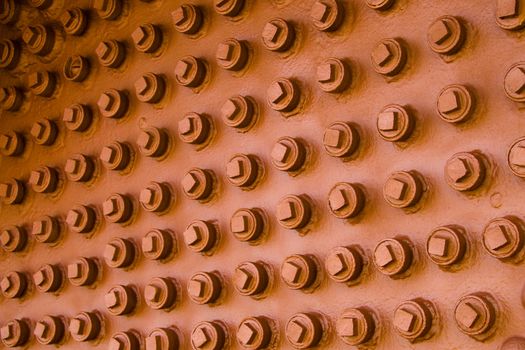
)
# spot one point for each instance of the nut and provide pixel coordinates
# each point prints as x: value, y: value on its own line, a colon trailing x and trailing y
x: 204, y: 287
x: 121, y: 300
x: 278, y: 35
x: 346, y: 200
x: 389, y: 57
x: 393, y: 257
x: 120, y: 253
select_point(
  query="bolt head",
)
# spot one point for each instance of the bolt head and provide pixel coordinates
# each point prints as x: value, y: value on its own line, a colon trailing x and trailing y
x: 224, y: 51
x: 246, y: 333
x: 276, y: 92
x: 338, y: 200
x: 147, y: 196
x: 139, y: 35
x: 192, y: 235
x: 74, y: 270
x: 507, y: 8
x: 116, y: 344
x: 39, y: 227
x: 182, y: 69
x: 30, y: 35
x: 186, y: 125
x: 105, y: 102
x: 70, y: 115
x: 271, y: 32
x: 111, y: 252
x: 384, y: 255
x: 515, y: 80
x: 243, y: 278
x: 111, y: 299
x: 336, y: 264
x: 110, y: 206
x: 458, y: 169
x: 5, y: 284
x: 381, y: 54
x: 180, y: 15
x: 280, y: 152
x: 73, y: 218
x: 145, y: 140
x: 72, y: 166
x: 36, y: 178
x: 517, y: 156
x: 152, y: 293
x: 5, y: 237
x: 239, y: 223
x: 438, y: 246
x: 154, y: 342
x: 39, y: 277
x: 103, y: 50
x: 7, y: 331
x: 333, y: 137
x: 395, y: 189
x: 286, y: 211
x: 196, y: 288
x: 41, y: 329
x: 149, y: 244
x: 142, y: 85
x: 404, y: 320
x: 229, y: 109
x: 296, y: 331
x: 200, y: 337
x: 35, y: 79
x: 190, y: 182
x: 291, y: 272
x: 496, y: 237
x: 387, y: 121
x: 439, y: 32
x: 348, y: 327
x: 76, y: 326
x: 108, y: 154
x: 449, y: 102
x: 37, y: 130
x: 235, y: 169
x: 320, y: 11
x: 467, y: 315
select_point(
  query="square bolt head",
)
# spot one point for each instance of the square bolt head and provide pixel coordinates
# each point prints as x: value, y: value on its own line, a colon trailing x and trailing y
x: 320, y: 11
x: 30, y: 35
x: 182, y: 69
x: 34, y: 79
x: 111, y: 299
x: 108, y: 154
x: 186, y: 125
x: 147, y: 196
x: 333, y: 137
x: 326, y: 73
x: 458, y: 169
x: 280, y: 152
x: 387, y: 121
x: 235, y: 169
x: 192, y: 235
x: 404, y: 320
x: 103, y: 50
x: 190, y: 182
x: 517, y: 156
x: 39, y: 277
x: 238, y: 224
x: 5, y: 190
x: 439, y: 32
x: 335, y: 264
x: 76, y: 326
x: 37, y: 130
x: 229, y: 109
x: 40, y: 329
x: 5, y: 141
x: 110, y: 206
x: 286, y: 211
x: 438, y: 246
x: 271, y: 32
x: 496, y: 237
x: 383, y: 255
x: 39, y: 227
x: 395, y: 189
x: 73, y: 218
x: 139, y: 35
x: 515, y: 80
x: 145, y: 140
x: 200, y: 337
x: 111, y: 252
x: 74, y: 270
x: 507, y: 8
x: 296, y: 331
x: 467, y: 315
x: 36, y: 178
x: 381, y: 54
x: 72, y: 166
x: 149, y: 244
x: 154, y: 342
x: 142, y: 85
x: 291, y: 272
x: 7, y: 331
x: 105, y: 102
x: 5, y: 237
x: 116, y: 344
x: 337, y: 200
x: 246, y: 333
x: 243, y: 278
x: 180, y: 15
x: 348, y: 327
x: 276, y: 92
x: 5, y: 284
x: 449, y: 102
x: 224, y: 51
x: 70, y: 115
x: 196, y: 288
x: 152, y: 293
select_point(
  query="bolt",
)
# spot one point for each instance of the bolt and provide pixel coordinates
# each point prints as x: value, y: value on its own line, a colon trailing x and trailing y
x: 188, y: 19
x: 403, y: 189
x: 304, y: 330
x: 465, y: 171
x: 14, y: 285
x: 39, y: 39
x: 44, y: 180
x: 476, y: 314
x: 78, y: 117
x: 284, y: 95
x: 12, y: 144
x: 48, y: 279
x: 456, y: 103
x: 157, y: 244
x: 204, y: 287
x: 299, y: 271
x: 113, y: 103
x: 42, y: 83
x: 108, y: 9
x: 9, y: 53
x: 150, y: 88
x: 12, y: 192
x: 128, y: 340
x: 76, y: 68
x: 161, y: 293
x: 514, y: 83
x: 393, y: 257
x: 389, y: 57
x: 503, y: 238
x: 46, y: 230
x: 509, y: 15
x: 11, y: 98
x: 44, y: 132
x: 327, y: 15
x: 289, y: 154
x: 356, y: 326
x: 334, y: 75
x: 9, y: 10
x: 229, y: 8
x: 50, y: 330
x: 413, y: 319
x: 74, y: 21
x: 80, y: 168
x: 294, y: 212
x: 198, y: 184
x: 111, y: 53
x: 195, y: 129
x: 117, y: 156
x: 446, y: 245
x: 251, y: 278
x: 278, y: 35
x: 82, y: 219
x: 345, y: 264
x: 85, y: 326
x: 83, y: 272
x: 232, y: 54
x: 208, y: 335
x: 190, y: 72
x: 120, y: 300
x: 254, y: 333
x: 15, y: 333
x: 147, y: 38
x: 446, y: 35
x: 247, y: 225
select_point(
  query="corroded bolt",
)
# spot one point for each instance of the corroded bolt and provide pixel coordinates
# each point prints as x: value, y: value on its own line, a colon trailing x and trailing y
x: 11, y: 98
x: 150, y: 88
x: 111, y: 53
x: 327, y: 15
x: 113, y: 103
x: 247, y: 225
x: 446, y: 35
x: 118, y: 208
x: 162, y: 339
x: 229, y: 8
x: 334, y: 75
x: 188, y: 19
x: 44, y: 180
x: 251, y: 278
x: 76, y: 68
x: 157, y: 197
x: 504, y: 238
x: 50, y: 330
x: 120, y: 253
x: 42, y: 83
x: 77, y: 117
x: 117, y: 156
x: 294, y: 212
x: 284, y: 95
x: 244, y: 170
x: 208, y: 335
x: 393, y: 257
x: 447, y: 245
x: 205, y: 287
x: 82, y: 219
x: 345, y: 264
x: 108, y: 9
x: 39, y: 39
x: 476, y: 315
x: 201, y: 236
x: 232, y: 54
x: 195, y: 129
x: 516, y: 157
x: 356, y: 326
x: 85, y: 326
x: 300, y: 271
x: 380, y: 5
x: 83, y: 271
x: 47, y: 229
x: 48, y: 279
x: 414, y: 319
x: 255, y: 333
x: 9, y: 54
x: 128, y: 340
x: 161, y: 293
x: 466, y: 171
x: 404, y: 189
x: 74, y: 21
x: 199, y: 184
x: 153, y: 142
x: 14, y: 284
x: 305, y: 330
x: 456, y: 103
x: 147, y: 38
x: 12, y: 144
x: 121, y: 300
x: 510, y: 14
x: 289, y: 154
x: 13, y: 238
x: 15, y: 333
x: 240, y: 112
x: 190, y: 71
x: 278, y: 35
x: 158, y: 244
x: 12, y: 192
x: 44, y: 132
x: 389, y: 57
x: 346, y: 200
x: 80, y: 168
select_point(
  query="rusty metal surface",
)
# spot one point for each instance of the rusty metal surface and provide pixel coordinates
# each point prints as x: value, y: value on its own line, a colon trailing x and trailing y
x: 404, y: 159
